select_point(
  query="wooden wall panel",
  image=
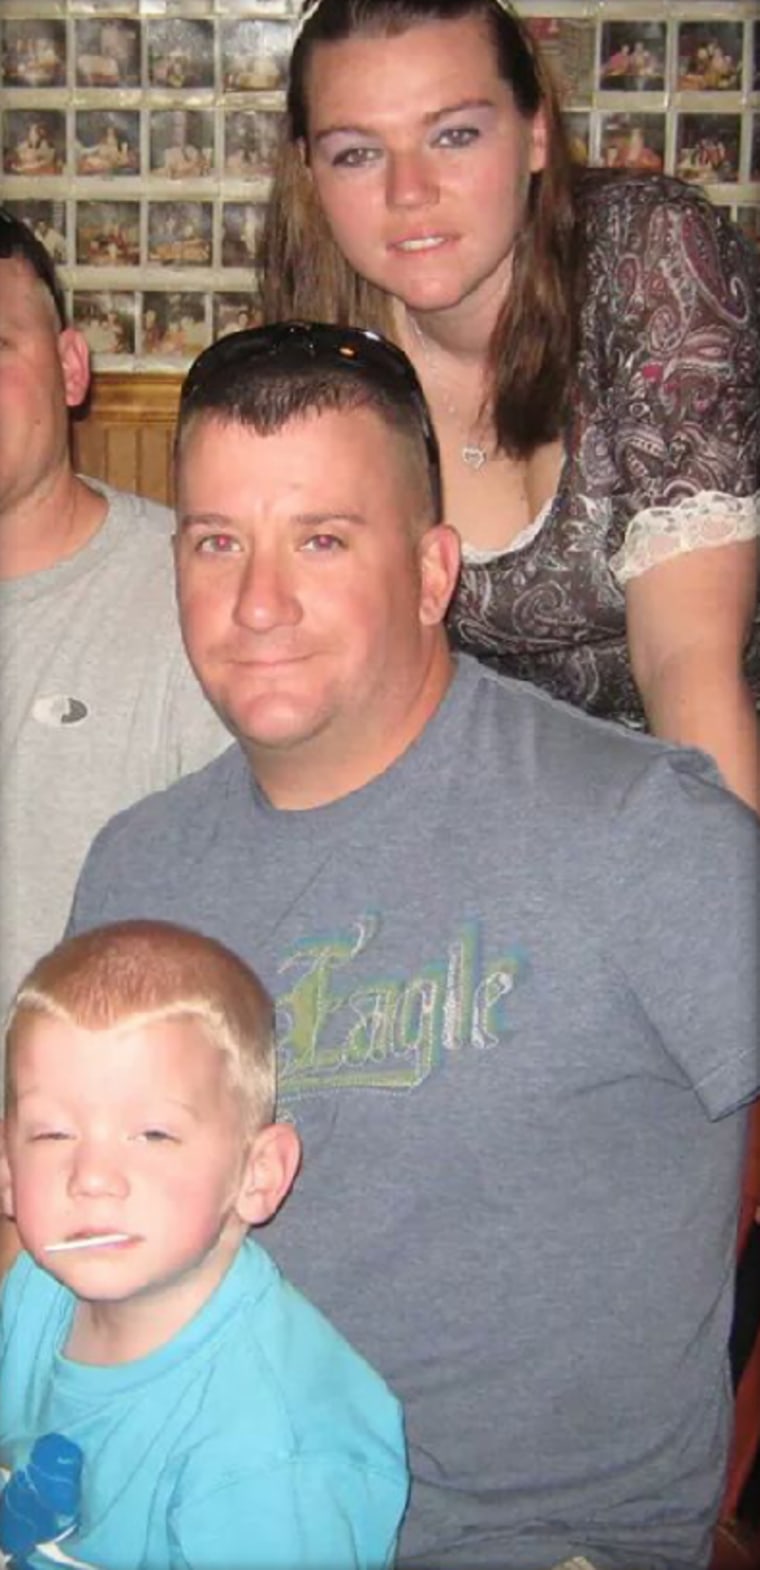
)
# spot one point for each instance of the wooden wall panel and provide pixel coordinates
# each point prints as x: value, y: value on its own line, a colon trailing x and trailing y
x: 125, y: 436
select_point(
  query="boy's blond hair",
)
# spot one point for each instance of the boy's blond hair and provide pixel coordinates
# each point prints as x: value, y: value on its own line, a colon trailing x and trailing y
x: 137, y: 973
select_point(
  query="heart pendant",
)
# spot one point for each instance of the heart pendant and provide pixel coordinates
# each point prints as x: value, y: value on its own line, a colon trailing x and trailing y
x: 474, y: 457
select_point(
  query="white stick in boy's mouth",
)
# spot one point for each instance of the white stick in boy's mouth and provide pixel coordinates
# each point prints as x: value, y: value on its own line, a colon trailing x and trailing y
x: 97, y: 1240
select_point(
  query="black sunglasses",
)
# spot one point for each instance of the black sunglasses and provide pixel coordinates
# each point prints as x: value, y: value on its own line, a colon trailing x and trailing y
x: 372, y: 356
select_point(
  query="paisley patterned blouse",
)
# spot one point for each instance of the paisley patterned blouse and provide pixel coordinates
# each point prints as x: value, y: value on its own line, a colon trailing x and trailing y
x: 662, y: 448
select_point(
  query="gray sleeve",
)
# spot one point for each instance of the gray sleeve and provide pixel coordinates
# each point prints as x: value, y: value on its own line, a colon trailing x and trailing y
x: 188, y: 733
x: 98, y: 876
x: 682, y: 911
x: 193, y: 732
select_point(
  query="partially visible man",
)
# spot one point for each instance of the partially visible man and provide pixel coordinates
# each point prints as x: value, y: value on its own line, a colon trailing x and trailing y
x: 98, y: 703
x: 514, y: 955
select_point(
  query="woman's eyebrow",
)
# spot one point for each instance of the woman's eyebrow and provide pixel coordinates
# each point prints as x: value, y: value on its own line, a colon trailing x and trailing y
x: 355, y: 129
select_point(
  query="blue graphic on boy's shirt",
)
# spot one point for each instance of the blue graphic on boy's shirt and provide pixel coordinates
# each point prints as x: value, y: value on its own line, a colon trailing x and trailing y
x: 40, y: 1502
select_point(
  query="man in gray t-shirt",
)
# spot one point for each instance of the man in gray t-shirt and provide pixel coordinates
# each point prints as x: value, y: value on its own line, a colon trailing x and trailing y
x: 99, y: 704
x: 513, y: 955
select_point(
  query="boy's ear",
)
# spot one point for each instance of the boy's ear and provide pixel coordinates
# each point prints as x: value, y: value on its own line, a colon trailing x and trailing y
x: 6, y: 1182
x: 270, y: 1169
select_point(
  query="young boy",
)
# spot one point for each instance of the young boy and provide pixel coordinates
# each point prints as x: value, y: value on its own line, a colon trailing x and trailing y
x: 166, y: 1399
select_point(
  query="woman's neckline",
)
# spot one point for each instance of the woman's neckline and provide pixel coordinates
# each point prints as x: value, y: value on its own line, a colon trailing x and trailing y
x: 480, y: 556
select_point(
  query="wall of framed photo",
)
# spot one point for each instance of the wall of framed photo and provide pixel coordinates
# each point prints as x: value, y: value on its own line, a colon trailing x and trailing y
x: 137, y: 139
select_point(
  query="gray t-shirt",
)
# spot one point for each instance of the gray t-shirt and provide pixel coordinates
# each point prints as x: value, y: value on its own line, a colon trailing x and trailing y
x: 516, y: 1000
x: 99, y: 707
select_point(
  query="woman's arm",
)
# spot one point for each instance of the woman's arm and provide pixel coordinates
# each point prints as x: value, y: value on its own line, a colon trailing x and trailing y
x: 688, y: 623
x: 680, y: 319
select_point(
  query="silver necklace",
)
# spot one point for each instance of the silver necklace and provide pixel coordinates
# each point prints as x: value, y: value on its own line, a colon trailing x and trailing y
x: 471, y: 452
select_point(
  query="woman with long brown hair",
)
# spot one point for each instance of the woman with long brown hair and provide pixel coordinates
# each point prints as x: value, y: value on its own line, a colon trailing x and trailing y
x: 588, y: 342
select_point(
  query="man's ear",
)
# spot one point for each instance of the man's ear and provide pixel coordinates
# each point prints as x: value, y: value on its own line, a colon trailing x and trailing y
x: 271, y: 1166
x: 75, y: 365
x: 440, y: 558
x: 6, y: 1181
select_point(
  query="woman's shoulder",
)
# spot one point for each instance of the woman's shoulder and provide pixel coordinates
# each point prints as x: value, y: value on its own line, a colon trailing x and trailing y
x: 617, y: 209
x: 632, y: 214
x: 602, y: 192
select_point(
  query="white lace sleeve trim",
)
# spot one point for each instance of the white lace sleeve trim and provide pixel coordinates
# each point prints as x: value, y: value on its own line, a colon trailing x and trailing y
x: 659, y: 533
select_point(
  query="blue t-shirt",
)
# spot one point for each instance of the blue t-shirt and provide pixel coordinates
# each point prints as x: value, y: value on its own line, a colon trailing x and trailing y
x: 256, y: 1439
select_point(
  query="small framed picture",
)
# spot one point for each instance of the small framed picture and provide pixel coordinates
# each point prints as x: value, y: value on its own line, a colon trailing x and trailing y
x: 34, y: 142
x: 180, y: 52
x: 182, y: 143
x: 707, y: 148
x: 255, y: 54
x: 748, y: 220
x: 108, y: 142
x: 33, y: 53
x: 180, y: 233
x: 632, y: 57
x: 107, y: 52
x: 709, y: 57
x: 568, y: 45
x: 108, y: 234
x: 241, y: 231
x: 234, y: 313
x: 251, y: 140
x: 107, y: 319
x: 173, y: 325
x: 633, y: 141
x: 578, y: 127
x: 47, y: 220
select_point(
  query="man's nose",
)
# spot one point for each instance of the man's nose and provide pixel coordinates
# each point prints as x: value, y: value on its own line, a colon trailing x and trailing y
x: 266, y: 596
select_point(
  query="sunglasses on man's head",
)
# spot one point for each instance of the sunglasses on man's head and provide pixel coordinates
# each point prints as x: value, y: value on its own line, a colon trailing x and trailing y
x: 373, y: 357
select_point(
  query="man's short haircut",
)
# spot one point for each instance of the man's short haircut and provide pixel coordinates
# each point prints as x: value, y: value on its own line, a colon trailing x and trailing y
x: 137, y: 973
x: 17, y: 242
x: 264, y: 377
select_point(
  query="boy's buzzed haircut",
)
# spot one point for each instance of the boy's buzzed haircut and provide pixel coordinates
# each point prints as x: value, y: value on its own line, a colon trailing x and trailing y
x: 137, y: 973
